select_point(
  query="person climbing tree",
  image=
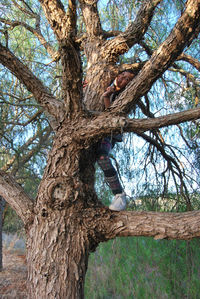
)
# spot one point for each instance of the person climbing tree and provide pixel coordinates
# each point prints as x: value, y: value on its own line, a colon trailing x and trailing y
x: 106, y: 144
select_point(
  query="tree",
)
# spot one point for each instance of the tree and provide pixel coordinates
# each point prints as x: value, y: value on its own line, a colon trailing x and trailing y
x: 18, y: 150
x: 67, y: 221
x: 2, y: 203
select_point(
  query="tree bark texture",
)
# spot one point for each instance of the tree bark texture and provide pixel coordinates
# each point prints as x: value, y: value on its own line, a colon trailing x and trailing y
x: 58, y: 231
x: 2, y: 205
x: 67, y: 221
x: 57, y: 255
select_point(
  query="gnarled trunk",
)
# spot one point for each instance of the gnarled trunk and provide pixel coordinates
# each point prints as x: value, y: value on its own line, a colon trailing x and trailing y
x: 57, y: 255
x: 58, y: 242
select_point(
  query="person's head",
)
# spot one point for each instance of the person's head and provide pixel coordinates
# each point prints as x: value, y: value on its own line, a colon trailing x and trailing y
x: 124, y: 78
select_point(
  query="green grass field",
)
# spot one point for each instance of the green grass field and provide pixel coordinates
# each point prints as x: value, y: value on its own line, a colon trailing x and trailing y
x: 144, y: 268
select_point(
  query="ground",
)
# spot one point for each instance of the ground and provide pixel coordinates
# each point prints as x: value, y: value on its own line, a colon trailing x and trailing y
x: 13, y: 276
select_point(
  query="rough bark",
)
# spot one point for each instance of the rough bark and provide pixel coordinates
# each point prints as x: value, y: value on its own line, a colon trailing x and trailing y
x: 116, y: 124
x: 67, y: 221
x: 162, y: 58
x: 102, y: 55
x: 58, y: 231
x: 58, y: 272
x: 180, y: 226
x: 2, y: 205
x: 16, y: 197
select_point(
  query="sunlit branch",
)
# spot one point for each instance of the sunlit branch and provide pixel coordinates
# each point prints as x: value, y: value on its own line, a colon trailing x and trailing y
x: 63, y: 24
x: 91, y: 17
x: 186, y: 74
x: 28, y: 11
x: 141, y: 21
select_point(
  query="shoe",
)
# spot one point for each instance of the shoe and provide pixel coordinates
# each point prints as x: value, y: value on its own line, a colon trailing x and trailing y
x: 119, y: 203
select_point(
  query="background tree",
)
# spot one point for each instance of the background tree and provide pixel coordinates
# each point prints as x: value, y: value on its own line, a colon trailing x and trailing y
x: 67, y: 221
x: 25, y: 136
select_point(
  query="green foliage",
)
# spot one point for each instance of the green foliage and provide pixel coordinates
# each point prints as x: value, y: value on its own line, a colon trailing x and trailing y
x: 144, y: 268
x: 140, y: 267
x: 174, y: 92
x: 12, y: 223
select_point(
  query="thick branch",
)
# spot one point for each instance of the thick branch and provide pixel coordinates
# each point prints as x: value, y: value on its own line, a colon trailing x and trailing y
x: 134, y: 33
x: 72, y: 77
x: 91, y: 18
x: 61, y: 23
x: 32, y: 83
x: 142, y: 125
x: 64, y: 26
x: 162, y: 58
x: 182, y: 226
x: 16, y: 197
x: 138, y: 28
x: 115, y: 123
x: 159, y: 225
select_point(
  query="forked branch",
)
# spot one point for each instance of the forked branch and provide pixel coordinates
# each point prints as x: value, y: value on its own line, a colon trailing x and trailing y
x: 135, y: 31
x: 32, y: 83
x: 90, y: 129
x: 162, y: 58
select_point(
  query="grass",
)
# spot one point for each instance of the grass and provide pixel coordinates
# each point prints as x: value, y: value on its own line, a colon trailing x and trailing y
x: 144, y: 268
x: 123, y: 268
x: 129, y: 268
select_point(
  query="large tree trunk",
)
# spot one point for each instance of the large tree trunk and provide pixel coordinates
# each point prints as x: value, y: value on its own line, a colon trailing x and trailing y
x: 67, y: 221
x: 57, y: 255
x: 58, y: 242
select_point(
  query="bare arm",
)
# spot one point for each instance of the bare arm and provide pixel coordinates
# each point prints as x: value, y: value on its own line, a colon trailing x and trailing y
x: 106, y: 96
